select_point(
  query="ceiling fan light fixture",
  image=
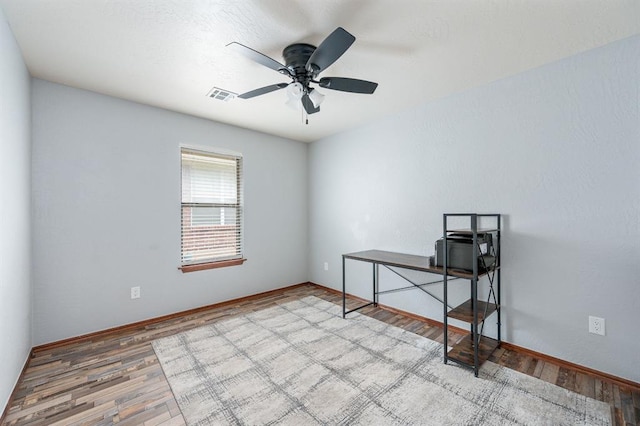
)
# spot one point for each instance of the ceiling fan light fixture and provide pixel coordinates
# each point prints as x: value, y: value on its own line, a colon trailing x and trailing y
x: 294, y: 104
x: 295, y: 91
x: 316, y: 97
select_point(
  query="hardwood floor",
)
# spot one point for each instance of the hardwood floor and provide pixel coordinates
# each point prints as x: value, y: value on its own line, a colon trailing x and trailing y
x: 116, y: 378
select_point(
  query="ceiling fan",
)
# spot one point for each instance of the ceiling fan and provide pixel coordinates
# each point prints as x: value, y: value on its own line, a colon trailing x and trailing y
x: 303, y: 63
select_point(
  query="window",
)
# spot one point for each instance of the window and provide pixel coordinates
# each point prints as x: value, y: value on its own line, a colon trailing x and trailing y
x: 211, y: 210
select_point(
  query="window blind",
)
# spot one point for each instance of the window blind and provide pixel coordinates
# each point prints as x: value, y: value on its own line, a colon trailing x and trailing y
x: 211, y: 207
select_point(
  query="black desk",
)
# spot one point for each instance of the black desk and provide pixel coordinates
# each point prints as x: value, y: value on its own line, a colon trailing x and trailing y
x: 399, y: 260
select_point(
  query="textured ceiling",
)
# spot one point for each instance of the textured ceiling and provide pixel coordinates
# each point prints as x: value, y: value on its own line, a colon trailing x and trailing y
x: 170, y: 53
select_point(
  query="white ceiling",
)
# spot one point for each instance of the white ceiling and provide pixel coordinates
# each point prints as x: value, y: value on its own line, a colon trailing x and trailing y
x: 170, y: 53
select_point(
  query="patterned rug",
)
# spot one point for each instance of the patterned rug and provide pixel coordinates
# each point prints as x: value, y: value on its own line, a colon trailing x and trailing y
x: 300, y: 363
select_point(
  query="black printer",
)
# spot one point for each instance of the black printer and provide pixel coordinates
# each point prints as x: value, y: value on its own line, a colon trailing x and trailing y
x: 460, y: 251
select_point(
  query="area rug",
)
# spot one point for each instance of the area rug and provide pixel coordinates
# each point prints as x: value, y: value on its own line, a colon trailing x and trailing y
x: 300, y: 363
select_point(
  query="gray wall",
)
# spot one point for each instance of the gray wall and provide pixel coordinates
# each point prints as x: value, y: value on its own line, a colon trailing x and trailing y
x: 106, y: 185
x: 15, y: 213
x: 556, y: 150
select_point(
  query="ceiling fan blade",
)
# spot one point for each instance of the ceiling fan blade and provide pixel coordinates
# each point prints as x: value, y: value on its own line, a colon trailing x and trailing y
x: 348, y: 85
x: 307, y: 103
x: 258, y: 57
x: 263, y: 90
x: 330, y: 50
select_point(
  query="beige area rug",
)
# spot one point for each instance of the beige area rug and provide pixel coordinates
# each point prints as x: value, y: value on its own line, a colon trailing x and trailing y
x: 300, y: 363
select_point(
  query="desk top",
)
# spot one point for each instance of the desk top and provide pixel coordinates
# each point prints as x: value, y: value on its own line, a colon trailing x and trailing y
x: 407, y: 261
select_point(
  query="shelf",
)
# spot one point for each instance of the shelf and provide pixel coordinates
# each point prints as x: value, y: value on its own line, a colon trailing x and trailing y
x: 463, y: 351
x: 470, y: 231
x: 460, y: 273
x: 464, y: 312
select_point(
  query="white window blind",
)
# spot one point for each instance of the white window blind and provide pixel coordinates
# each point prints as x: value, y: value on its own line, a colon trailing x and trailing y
x: 211, y: 207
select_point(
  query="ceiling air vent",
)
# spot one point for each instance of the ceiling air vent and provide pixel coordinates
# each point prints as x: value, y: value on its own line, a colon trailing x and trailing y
x: 221, y: 94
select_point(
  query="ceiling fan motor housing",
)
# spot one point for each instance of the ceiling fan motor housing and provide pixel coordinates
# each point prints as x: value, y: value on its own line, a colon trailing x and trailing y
x: 296, y: 57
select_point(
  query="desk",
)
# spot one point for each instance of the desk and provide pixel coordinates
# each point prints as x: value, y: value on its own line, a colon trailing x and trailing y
x: 470, y: 351
x: 400, y: 260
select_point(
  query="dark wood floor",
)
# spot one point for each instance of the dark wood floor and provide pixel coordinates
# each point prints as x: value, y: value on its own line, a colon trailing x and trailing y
x: 117, y: 379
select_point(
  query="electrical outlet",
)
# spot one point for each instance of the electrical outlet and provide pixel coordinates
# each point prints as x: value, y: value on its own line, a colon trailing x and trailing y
x: 135, y: 292
x: 596, y: 325
x: 326, y: 266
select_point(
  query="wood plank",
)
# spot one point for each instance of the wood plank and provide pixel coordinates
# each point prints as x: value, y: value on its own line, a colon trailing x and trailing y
x: 463, y: 351
x: 64, y: 412
x: 464, y: 312
x: 549, y: 372
x: 539, y: 367
x: 567, y: 378
x: 617, y: 417
x: 626, y: 403
x: 533, y: 367
x: 586, y: 385
x: 636, y: 398
x: 101, y: 410
x: 38, y: 407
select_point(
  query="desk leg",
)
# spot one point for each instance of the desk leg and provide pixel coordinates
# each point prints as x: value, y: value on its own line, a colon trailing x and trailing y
x: 344, y: 292
x: 376, y: 271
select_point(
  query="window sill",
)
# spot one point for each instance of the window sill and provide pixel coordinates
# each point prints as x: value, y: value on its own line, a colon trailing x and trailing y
x: 211, y: 265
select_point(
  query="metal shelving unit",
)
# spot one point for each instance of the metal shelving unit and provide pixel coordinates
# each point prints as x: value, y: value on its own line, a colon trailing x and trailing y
x: 475, y: 348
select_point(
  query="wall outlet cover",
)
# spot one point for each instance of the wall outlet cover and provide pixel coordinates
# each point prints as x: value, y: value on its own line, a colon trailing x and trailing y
x: 135, y: 292
x: 596, y: 325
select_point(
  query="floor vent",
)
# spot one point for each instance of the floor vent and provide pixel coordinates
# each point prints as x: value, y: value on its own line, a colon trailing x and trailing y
x: 221, y: 94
